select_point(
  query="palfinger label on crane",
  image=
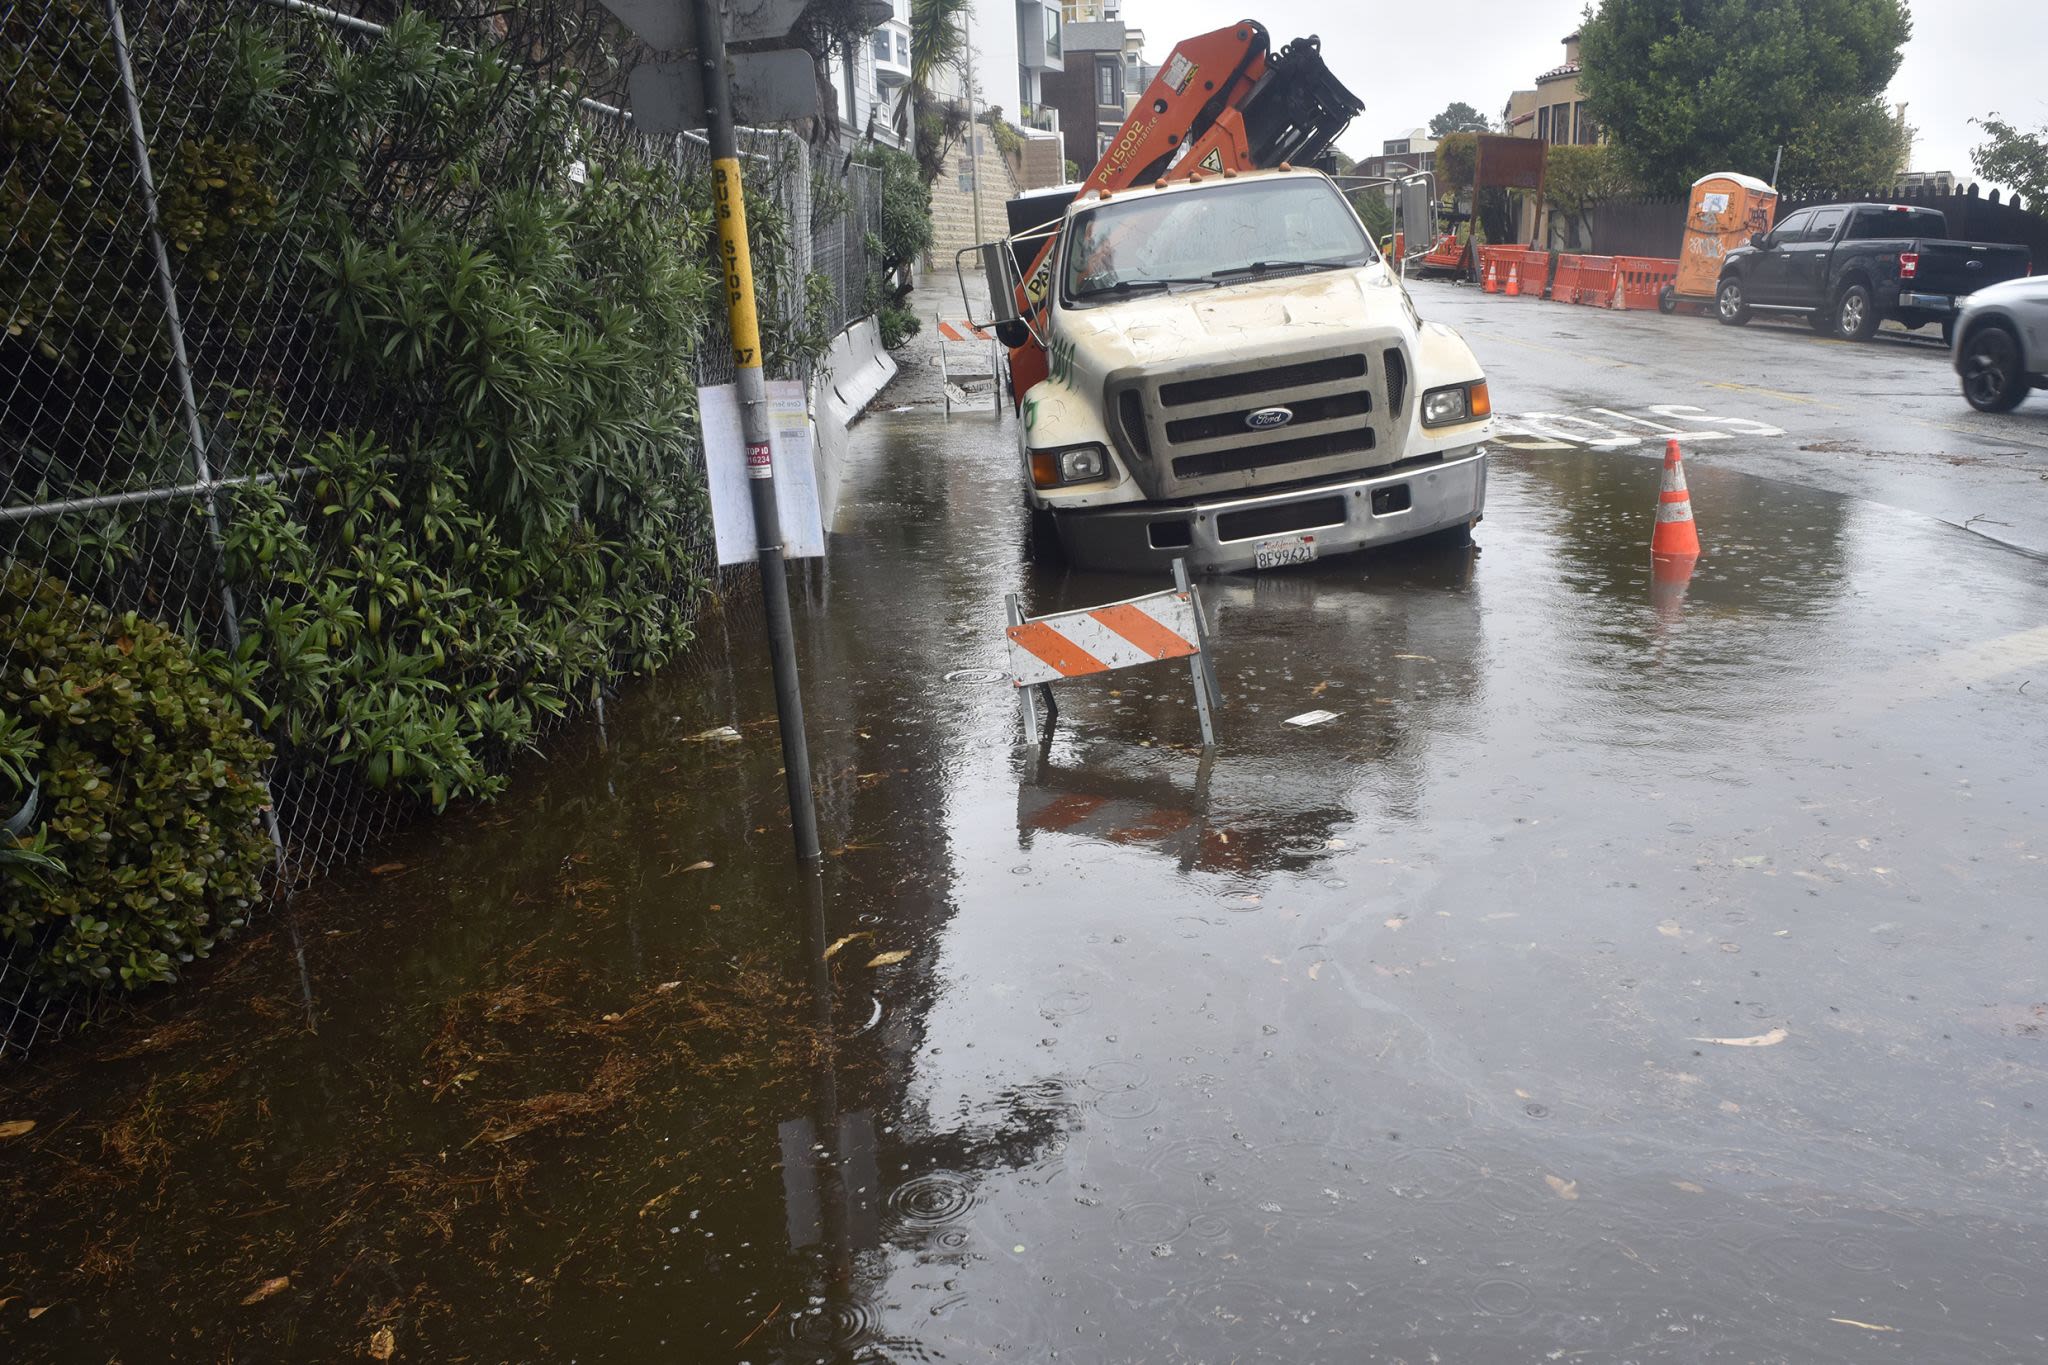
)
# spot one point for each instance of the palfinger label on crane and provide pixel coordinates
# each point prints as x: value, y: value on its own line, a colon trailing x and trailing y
x: 1077, y: 644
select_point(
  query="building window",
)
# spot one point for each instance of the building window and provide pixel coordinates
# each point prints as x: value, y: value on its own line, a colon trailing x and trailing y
x: 1106, y: 93
x: 1588, y: 133
x: 1543, y: 123
x: 903, y: 49
x: 878, y: 44
x: 1052, y: 34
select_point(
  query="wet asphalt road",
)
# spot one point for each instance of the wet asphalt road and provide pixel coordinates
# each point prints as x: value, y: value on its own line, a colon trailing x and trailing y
x: 1618, y: 977
x: 1883, y: 421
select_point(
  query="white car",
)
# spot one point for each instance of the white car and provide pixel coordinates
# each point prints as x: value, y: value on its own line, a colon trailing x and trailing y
x: 2001, y: 346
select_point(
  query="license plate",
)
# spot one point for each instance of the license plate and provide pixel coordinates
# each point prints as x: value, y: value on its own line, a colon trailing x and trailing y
x: 1276, y: 554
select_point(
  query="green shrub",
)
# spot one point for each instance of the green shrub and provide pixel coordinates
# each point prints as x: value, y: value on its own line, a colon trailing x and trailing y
x: 897, y: 325
x: 150, y: 794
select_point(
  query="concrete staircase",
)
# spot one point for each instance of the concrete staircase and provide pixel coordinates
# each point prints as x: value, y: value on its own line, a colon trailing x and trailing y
x: 953, y: 199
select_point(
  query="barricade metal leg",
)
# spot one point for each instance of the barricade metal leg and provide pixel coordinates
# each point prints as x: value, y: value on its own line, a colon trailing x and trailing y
x: 1016, y: 613
x: 1199, y: 669
x: 945, y: 377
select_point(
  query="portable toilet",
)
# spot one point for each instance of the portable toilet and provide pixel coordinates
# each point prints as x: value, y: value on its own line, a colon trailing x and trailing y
x: 1726, y: 207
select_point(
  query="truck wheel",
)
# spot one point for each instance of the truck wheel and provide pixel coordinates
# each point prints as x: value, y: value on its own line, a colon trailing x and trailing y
x: 1856, y: 316
x: 1993, y: 379
x: 1667, y: 300
x: 1729, y: 305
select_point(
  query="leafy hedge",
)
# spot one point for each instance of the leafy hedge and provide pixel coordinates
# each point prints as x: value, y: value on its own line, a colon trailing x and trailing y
x: 149, y: 792
x: 458, y: 324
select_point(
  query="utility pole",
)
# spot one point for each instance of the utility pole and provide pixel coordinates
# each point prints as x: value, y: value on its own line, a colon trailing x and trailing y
x: 973, y: 138
x: 730, y: 206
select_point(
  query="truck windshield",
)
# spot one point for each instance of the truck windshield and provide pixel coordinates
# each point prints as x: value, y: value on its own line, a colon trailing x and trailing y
x: 1223, y: 235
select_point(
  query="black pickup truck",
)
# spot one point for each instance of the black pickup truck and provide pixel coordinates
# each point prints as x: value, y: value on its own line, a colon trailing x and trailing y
x: 1848, y: 267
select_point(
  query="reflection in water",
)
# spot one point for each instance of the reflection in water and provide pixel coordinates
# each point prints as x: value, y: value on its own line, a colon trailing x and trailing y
x: 1376, y: 1040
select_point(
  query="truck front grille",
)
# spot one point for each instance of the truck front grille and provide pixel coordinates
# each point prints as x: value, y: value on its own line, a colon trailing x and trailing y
x: 1187, y: 433
x: 1274, y: 453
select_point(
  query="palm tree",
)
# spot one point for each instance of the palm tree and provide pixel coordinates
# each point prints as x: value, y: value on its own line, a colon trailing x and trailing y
x: 938, y: 44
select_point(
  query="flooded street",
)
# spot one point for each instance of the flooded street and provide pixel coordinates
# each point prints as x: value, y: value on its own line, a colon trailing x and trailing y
x: 1624, y: 974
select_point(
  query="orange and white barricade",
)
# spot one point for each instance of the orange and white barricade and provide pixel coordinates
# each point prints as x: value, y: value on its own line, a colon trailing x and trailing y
x: 969, y: 356
x: 1079, y: 644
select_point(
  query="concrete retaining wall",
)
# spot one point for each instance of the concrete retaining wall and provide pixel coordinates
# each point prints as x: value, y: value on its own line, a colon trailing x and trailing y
x: 856, y: 368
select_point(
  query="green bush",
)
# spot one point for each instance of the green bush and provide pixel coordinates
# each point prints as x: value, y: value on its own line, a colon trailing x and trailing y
x: 520, y: 528
x: 150, y: 796
x: 897, y: 325
x: 466, y: 320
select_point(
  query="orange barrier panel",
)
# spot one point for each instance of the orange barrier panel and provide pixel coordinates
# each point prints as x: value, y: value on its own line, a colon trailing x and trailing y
x: 1643, y: 278
x: 1530, y: 268
x: 1584, y: 279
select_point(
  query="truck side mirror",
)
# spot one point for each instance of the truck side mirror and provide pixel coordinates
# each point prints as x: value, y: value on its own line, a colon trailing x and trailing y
x: 1756, y: 239
x: 999, y: 274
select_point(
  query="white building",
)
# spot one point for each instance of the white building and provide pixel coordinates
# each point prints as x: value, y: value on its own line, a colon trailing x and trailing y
x: 868, y: 83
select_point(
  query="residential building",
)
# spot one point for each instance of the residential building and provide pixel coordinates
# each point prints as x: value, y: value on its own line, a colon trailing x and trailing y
x: 1554, y: 111
x: 1089, y: 93
x: 869, y: 80
x: 1933, y: 182
x: 1093, y: 11
x: 1138, y: 73
x: 1409, y: 154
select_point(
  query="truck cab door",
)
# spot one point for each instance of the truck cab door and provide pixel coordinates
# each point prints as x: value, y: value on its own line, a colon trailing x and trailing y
x: 1806, y: 259
x: 1769, y: 269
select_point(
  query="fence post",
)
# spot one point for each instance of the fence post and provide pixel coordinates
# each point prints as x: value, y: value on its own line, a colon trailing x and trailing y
x: 195, y: 431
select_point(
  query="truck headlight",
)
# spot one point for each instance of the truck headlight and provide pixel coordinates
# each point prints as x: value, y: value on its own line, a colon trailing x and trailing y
x: 1456, y: 403
x: 1075, y: 464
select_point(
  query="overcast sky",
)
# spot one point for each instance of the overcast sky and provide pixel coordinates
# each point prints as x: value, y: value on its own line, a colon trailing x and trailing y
x: 1967, y: 58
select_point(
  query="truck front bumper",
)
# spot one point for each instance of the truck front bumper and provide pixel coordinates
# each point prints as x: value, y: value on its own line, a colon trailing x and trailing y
x: 1225, y: 534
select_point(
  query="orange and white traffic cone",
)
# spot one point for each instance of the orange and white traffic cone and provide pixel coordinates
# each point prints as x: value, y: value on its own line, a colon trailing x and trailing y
x: 1619, y: 303
x: 1676, y: 538
x: 1514, y: 280
x: 1493, y: 277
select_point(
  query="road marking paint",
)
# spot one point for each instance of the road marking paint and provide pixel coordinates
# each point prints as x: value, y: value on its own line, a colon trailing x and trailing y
x: 1779, y: 394
x: 1567, y: 431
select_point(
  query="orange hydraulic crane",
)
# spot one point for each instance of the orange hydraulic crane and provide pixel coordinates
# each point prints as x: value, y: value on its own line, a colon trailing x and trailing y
x: 1223, y: 102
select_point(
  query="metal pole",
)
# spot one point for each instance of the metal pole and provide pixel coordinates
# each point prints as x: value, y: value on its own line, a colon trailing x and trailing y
x: 973, y: 138
x: 1777, y: 164
x: 1015, y: 607
x: 753, y: 402
x: 188, y: 399
x: 1199, y: 667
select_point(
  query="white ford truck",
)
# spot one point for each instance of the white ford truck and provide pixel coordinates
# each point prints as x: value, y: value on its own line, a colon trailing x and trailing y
x: 1237, y: 378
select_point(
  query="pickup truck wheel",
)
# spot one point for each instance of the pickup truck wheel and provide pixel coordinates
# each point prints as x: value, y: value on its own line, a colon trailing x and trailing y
x: 1667, y: 300
x: 1993, y: 379
x: 1729, y: 305
x: 1856, y: 316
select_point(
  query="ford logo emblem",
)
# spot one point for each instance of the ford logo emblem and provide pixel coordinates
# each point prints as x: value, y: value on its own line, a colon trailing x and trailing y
x: 1265, y: 419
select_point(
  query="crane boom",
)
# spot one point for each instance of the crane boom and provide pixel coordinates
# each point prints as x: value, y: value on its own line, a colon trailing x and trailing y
x: 1223, y: 101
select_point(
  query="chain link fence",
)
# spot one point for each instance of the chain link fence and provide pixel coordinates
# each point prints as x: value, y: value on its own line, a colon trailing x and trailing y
x: 347, y: 439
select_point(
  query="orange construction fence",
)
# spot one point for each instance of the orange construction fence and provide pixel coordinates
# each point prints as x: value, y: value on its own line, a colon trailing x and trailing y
x: 1643, y: 278
x: 1584, y: 279
x: 1531, y: 269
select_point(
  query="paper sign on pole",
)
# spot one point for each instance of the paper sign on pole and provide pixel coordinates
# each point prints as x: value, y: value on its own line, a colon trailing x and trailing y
x: 796, y: 472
